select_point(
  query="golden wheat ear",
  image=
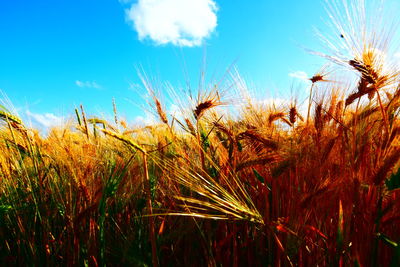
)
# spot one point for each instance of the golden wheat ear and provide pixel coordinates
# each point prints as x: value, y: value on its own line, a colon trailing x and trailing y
x: 202, y: 107
x: 292, y: 114
x: 160, y: 111
x: 124, y: 139
x: 11, y: 119
x: 223, y: 200
x: 8, y: 117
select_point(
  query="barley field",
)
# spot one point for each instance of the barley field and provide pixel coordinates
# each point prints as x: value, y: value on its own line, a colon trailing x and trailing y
x: 229, y: 182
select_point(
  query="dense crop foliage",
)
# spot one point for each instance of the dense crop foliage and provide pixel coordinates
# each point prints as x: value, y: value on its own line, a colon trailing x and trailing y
x: 268, y: 185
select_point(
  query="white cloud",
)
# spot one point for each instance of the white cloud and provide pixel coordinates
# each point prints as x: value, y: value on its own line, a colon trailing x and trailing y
x: 274, y: 102
x: 301, y: 75
x: 179, y: 22
x: 87, y: 84
x: 176, y: 111
x: 147, y: 120
x: 47, y: 119
x: 397, y: 55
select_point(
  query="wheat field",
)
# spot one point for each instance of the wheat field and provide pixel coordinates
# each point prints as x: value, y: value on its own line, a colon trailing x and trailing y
x: 230, y: 182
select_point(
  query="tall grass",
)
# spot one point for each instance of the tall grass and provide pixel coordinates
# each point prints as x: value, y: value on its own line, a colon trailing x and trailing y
x: 268, y: 186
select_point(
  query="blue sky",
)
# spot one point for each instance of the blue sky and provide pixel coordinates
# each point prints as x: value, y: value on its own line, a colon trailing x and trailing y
x: 55, y: 55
